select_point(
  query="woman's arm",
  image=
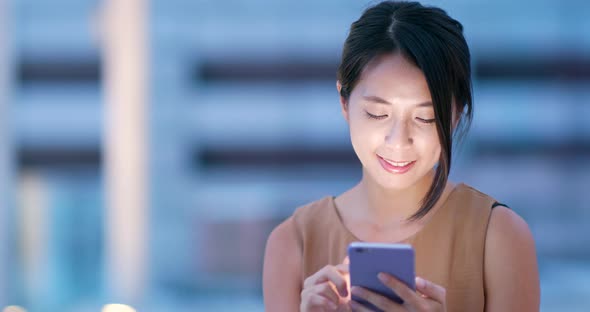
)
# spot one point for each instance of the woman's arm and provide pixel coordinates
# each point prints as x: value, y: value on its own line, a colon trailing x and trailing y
x: 281, y: 278
x: 511, y: 272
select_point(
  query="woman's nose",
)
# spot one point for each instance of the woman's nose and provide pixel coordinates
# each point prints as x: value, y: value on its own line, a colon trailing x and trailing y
x: 399, y: 136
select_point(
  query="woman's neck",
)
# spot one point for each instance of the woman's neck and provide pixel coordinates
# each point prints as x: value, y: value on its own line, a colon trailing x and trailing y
x: 386, y: 207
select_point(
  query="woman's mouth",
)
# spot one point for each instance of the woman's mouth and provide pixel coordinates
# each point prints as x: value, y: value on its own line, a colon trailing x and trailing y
x: 398, y: 167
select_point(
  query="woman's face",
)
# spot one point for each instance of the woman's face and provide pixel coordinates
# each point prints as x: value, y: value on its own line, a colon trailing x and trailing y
x: 391, y: 121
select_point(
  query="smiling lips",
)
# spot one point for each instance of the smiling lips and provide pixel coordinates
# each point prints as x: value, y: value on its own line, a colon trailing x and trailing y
x: 398, y: 167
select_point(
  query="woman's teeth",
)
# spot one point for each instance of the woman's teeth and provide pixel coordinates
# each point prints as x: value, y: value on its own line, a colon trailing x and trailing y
x: 398, y: 164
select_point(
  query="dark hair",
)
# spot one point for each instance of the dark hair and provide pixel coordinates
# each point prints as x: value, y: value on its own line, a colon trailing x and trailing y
x: 434, y: 42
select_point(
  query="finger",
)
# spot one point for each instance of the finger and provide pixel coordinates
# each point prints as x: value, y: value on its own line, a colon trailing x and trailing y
x: 357, y: 307
x: 376, y: 299
x: 321, y: 302
x: 331, y: 274
x: 430, y: 289
x: 319, y: 276
x: 342, y: 267
x: 324, y: 290
x: 328, y: 290
x: 407, y: 294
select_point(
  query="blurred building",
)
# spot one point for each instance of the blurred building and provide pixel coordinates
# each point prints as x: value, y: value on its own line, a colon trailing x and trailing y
x: 242, y: 125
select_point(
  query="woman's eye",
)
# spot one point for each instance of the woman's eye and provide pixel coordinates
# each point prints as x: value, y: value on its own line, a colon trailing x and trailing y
x: 376, y: 116
x: 427, y: 121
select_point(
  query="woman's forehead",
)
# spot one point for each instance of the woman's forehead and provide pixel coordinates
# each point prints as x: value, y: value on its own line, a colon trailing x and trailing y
x: 392, y: 77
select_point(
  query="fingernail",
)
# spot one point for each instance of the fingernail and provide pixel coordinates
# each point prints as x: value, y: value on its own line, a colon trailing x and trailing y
x: 356, y: 291
x: 344, y: 292
x: 383, y: 277
x: 420, y: 282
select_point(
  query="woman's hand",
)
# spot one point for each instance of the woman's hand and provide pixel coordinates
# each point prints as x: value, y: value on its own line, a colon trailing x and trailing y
x: 327, y: 290
x: 427, y: 297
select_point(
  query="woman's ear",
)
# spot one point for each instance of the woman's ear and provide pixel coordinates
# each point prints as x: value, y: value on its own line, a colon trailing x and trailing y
x: 343, y: 101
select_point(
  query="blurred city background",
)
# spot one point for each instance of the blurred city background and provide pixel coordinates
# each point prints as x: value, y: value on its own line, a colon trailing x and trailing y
x: 148, y: 148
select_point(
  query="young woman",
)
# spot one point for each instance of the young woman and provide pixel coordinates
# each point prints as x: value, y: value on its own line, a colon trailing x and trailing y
x: 405, y: 90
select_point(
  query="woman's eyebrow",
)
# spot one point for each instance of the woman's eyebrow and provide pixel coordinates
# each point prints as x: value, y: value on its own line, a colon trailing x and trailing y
x: 379, y: 100
x: 424, y: 104
x: 376, y: 99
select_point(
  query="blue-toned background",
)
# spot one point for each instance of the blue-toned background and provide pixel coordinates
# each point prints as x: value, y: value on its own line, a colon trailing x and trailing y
x: 240, y: 123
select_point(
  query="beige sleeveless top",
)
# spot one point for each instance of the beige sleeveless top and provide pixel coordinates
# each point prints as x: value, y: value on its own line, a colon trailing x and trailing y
x: 449, y: 248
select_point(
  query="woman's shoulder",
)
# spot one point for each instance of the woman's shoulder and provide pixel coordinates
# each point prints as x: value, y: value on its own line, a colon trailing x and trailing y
x: 500, y: 215
x: 303, y: 215
x: 469, y: 206
x: 470, y: 197
x: 510, y: 244
x: 282, y: 267
x: 503, y: 222
x: 314, y: 208
x: 472, y: 191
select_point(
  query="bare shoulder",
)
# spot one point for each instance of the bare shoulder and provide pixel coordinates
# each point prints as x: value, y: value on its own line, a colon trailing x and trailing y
x: 511, y: 270
x: 282, y: 269
x: 505, y: 223
x: 283, y: 239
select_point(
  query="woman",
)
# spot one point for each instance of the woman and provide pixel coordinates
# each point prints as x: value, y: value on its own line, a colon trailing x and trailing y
x: 405, y: 90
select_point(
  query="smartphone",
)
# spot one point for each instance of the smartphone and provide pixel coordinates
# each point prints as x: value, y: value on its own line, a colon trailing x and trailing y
x: 369, y: 259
